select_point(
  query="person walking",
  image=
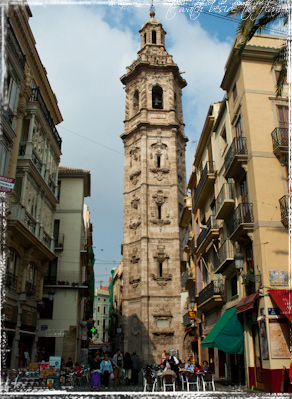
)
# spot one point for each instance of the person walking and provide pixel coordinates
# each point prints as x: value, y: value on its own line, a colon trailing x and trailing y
x: 128, y: 366
x: 106, y: 368
x: 136, y: 368
x: 95, y: 372
x: 118, y: 367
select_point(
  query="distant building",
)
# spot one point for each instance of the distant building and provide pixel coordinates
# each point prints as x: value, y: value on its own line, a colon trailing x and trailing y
x: 116, y: 329
x: 101, y: 317
x: 64, y: 320
x: 30, y: 150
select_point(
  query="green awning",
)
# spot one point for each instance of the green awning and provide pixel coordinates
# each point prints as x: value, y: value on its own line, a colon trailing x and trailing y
x: 227, y: 334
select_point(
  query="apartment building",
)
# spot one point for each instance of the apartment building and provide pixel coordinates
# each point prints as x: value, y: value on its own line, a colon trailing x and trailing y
x: 101, y: 315
x: 68, y: 290
x: 116, y: 309
x: 30, y: 153
x: 240, y: 217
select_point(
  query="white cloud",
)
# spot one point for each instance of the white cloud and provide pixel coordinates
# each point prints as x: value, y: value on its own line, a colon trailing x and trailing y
x: 85, y: 50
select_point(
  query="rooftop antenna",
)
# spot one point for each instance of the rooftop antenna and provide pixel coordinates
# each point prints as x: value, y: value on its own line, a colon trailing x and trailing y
x: 152, y: 10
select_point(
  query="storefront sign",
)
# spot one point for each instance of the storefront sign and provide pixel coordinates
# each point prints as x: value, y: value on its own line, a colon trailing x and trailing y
x: 279, y: 338
x: 6, y: 184
x: 273, y: 311
x: 278, y: 277
x: 44, y: 327
x: 28, y: 318
x: 192, y: 315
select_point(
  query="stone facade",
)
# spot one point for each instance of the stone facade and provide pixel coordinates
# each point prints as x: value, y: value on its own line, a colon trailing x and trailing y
x: 154, y: 190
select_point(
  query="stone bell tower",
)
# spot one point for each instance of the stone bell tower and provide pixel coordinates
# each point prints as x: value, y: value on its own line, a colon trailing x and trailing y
x: 154, y: 188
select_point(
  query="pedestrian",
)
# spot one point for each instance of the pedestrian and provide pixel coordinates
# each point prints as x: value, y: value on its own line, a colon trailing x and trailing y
x: 136, y: 367
x: 128, y: 366
x: 163, y: 356
x: 106, y: 368
x: 95, y: 372
x: 118, y: 367
x: 205, y: 366
x: 69, y: 364
x: 174, y: 364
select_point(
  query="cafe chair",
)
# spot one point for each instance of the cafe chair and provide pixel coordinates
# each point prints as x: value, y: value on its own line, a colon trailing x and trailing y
x: 184, y: 376
x: 193, y: 379
x: 150, y: 383
x: 168, y: 382
x: 208, y: 381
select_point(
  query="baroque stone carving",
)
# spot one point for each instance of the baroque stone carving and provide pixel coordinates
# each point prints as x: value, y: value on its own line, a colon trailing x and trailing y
x: 160, y: 222
x: 159, y: 173
x: 134, y: 225
x: 135, y: 202
x: 134, y: 177
x: 159, y: 198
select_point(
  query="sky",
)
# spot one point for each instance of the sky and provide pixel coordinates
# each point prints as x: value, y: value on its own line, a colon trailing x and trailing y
x: 85, y: 48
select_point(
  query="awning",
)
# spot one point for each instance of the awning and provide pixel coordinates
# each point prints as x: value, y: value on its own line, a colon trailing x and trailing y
x: 246, y: 303
x: 227, y: 334
x: 283, y: 299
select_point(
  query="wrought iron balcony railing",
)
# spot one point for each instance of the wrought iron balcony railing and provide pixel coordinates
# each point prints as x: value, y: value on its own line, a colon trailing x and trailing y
x: 59, y: 242
x: 65, y: 278
x: 237, y: 147
x: 243, y: 214
x: 226, y: 253
x: 216, y: 287
x: 30, y: 289
x: 211, y: 224
x: 15, y: 44
x: 7, y: 114
x: 227, y: 192
x: 209, y: 168
x: 36, y: 96
x: 11, y: 281
x: 284, y: 206
x: 280, y: 137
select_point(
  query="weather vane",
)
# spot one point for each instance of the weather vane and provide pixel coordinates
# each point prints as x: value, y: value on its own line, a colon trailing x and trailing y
x: 152, y: 8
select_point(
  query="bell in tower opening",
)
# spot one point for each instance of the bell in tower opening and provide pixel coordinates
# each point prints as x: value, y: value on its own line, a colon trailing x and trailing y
x: 154, y: 189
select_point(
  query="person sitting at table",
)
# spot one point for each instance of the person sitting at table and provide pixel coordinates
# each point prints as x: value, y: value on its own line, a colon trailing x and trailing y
x: 78, y: 369
x: 168, y: 371
x: 205, y: 366
x: 197, y: 367
x: 69, y: 364
x: 189, y: 366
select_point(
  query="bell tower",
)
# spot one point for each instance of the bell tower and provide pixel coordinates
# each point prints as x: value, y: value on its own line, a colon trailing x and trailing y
x: 154, y: 188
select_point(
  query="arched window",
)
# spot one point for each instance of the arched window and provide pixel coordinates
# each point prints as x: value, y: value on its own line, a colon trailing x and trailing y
x: 154, y: 36
x: 145, y: 38
x: 157, y: 97
x: 136, y: 101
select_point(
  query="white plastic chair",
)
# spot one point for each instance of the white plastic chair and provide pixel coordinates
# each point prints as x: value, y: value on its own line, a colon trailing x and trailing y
x: 193, y: 379
x: 150, y: 383
x: 168, y: 381
x: 208, y: 381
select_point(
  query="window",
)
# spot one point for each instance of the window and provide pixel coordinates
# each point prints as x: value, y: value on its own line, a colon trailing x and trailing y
x: 136, y: 101
x: 31, y: 272
x: 160, y: 269
x: 98, y: 309
x: 98, y: 322
x: 283, y: 116
x: 98, y: 299
x: 159, y: 211
x: 234, y: 92
x: 3, y: 159
x: 223, y: 140
x: 46, y: 311
x: 104, y: 310
x: 59, y: 190
x: 12, y: 262
x: 145, y: 38
x: 103, y: 324
x: 238, y: 128
x: 12, y: 93
x: 154, y: 36
x: 233, y: 284
x: 162, y: 323
x: 157, y: 97
x: 104, y: 300
x: 158, y: 161
x: 51, y: 274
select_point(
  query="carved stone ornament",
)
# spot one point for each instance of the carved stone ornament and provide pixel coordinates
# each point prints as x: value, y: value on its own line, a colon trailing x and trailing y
x: 163, y: 332
x: 134, y: 281
x: 134, y: 177
x: 159, y: 146
x: 135, y: 202
x: 159, y: 198
x: 160, y: 222
x: 162, y: 281
x: 134, y: 225
x: 162, y: 312
x: 159, y: 173
x: 134, y: 153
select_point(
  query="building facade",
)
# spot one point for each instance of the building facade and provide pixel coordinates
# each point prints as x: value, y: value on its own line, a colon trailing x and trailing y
x: 101, y: 316
x: 116, y: 309
x: 30, y: 154
x: 240, y: 203
x: 64, y: 319
x: 154, y: 189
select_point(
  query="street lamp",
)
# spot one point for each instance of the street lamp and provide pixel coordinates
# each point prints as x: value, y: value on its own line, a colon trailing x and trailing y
x: 51, y: 295
x: 238, y: 260
x: 192, y: 303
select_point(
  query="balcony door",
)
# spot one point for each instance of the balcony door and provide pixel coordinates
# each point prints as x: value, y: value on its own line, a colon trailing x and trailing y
x: 246, y: 217
x: 240, y: 149
x: 283, y: 117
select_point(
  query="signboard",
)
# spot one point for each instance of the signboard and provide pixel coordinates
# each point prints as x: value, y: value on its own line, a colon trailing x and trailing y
x: 279, y: 338
x: 55, y: 362
x: 6, y: 184
x: 192, y: 315
x: 273, y: 311
x: 278, y: 277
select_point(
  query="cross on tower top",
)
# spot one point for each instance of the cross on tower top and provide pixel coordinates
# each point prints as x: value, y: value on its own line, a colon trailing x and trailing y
x: 152, y: 10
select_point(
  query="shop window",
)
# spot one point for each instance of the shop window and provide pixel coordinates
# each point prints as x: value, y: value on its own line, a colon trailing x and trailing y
x: 157, y: 97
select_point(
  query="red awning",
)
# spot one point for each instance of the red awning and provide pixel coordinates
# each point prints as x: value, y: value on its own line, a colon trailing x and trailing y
x: 283, y: 299
x: 246, y: 303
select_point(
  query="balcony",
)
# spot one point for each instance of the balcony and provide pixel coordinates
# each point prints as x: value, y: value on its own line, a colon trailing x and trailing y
x: 66, y: 279
x: 225, y: 201
x: 280, y: 137
x: 47, y: 240
x: 36, y: 161
x: 187, y: 240
x: 11, y: 281
x: 186, y: 212
x: 12, y: 40
x: 235, y: 157
x: 205, y: 184
x: 8, y: 115
x: 241, y: 222
x: 226, y: 256
x: 284, y: 206
x: 212, y: 296
x: 209, y: 232
x: 59, y: 242
x: 193, y: 246
x: 30, y: 290
x: 37, y: 97
x: 186, y: 277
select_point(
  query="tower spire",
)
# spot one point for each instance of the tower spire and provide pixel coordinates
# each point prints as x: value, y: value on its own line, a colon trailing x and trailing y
x: 152, y: 10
